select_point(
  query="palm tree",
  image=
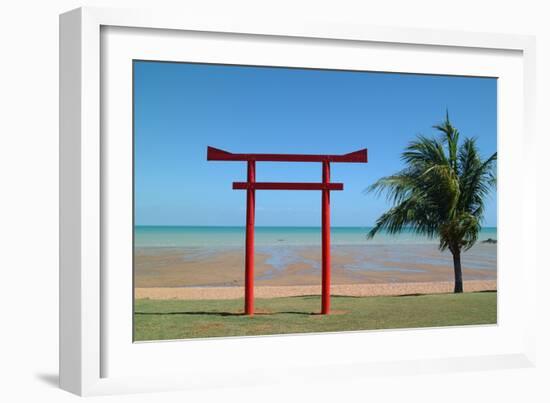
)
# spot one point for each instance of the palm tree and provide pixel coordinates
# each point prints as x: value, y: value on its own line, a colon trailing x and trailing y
x: 440, y: 192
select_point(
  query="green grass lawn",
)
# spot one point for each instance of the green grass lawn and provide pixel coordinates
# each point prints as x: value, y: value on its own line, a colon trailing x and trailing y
x: 181, y: 319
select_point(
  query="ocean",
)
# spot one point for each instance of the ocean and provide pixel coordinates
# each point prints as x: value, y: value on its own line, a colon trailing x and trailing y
x: 215, y: 237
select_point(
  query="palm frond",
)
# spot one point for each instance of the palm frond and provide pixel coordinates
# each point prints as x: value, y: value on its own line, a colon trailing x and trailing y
x: 414, y: 213
x: 424, y: 151
x: 450, y: 137
x: 477, y: 178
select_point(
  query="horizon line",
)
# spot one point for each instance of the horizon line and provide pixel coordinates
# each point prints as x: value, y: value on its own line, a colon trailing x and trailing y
x: 269, y: 226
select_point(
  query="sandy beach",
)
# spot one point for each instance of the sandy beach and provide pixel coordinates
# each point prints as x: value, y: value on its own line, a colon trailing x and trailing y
x: 351, y: 290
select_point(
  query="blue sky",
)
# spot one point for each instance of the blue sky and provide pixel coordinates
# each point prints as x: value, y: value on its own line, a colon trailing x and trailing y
x: 180, y: 109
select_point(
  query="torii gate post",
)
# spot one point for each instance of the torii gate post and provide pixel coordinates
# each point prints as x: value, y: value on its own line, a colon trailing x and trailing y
x: 325, y: 242
x: 249, y: 254
x: 214, y: 154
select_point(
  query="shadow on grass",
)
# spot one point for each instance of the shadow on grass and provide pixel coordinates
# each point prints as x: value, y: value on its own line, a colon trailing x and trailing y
x: 445, y: 293
x: 200, y: 313
x: 318, y: 297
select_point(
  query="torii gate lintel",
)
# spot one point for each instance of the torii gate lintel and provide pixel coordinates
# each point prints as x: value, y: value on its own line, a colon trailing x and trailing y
x: 215, y: 154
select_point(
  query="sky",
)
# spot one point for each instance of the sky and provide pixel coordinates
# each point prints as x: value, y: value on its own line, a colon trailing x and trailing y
x: 181, y: 108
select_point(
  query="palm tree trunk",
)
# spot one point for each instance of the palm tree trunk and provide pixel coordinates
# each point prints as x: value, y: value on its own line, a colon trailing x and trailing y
x: 458, y: 272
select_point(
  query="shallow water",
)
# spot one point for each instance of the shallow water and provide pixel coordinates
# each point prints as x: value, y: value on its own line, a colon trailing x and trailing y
x: 196, y: 236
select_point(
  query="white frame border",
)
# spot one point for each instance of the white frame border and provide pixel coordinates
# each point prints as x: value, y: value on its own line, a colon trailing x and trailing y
x: 80, y: 157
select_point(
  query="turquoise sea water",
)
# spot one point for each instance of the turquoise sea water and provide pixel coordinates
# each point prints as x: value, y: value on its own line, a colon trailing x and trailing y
x: 203, y: 236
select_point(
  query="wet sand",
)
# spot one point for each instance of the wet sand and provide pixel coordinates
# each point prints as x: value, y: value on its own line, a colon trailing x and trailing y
x: 191, y: 273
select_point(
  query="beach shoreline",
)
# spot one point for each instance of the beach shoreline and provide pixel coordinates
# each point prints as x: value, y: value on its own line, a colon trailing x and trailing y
x: 351, y: 290
x: 301, y: 266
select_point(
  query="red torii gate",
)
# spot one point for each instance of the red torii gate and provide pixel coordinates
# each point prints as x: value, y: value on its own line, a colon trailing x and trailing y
x: 214, y: 154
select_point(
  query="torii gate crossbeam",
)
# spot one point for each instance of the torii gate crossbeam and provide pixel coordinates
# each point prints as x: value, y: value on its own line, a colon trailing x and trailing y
x: 214, y: 154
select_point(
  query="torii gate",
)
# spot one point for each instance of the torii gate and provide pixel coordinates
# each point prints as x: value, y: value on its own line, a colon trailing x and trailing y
x: 214, y: 154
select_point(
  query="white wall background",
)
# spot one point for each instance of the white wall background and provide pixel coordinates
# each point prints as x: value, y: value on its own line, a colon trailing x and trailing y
x: 29, y: 201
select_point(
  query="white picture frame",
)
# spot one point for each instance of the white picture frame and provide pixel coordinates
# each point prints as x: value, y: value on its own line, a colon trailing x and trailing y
x: 88, y: 317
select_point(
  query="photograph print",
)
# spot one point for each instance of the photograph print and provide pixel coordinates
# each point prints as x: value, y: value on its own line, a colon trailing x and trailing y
x: 284, y: 200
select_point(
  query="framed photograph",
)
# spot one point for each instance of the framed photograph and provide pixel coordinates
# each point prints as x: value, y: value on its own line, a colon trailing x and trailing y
x: 242, y: 198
